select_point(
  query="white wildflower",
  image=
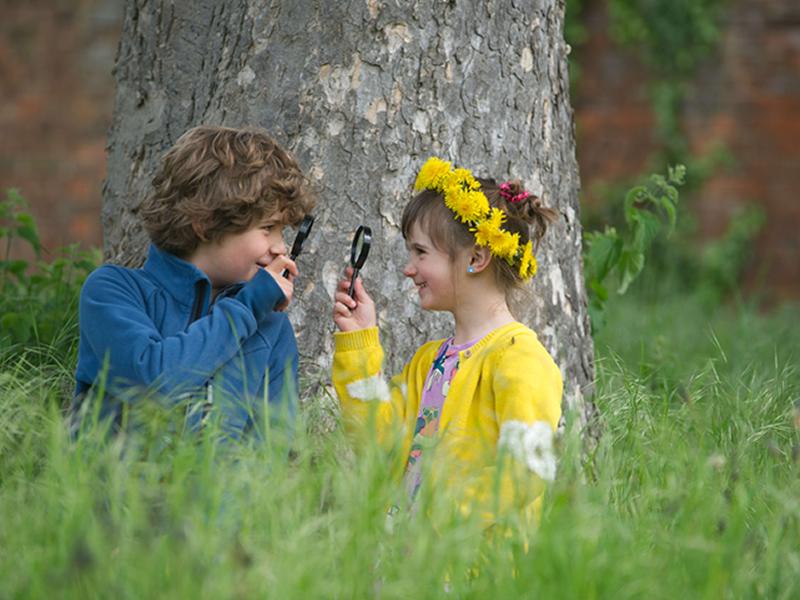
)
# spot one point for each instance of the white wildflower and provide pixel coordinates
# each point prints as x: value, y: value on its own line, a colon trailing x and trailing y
x: 369, y: 389
x: 531, y: 444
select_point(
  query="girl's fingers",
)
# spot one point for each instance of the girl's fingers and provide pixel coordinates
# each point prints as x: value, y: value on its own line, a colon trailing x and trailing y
x: 341, y: 309
x: 344, y: 299
x: 344, y: 284
x: 360, y: 293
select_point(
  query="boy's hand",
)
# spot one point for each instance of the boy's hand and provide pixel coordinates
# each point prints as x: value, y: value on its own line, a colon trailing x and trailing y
x: 276, y: 268
x: 351, y: 314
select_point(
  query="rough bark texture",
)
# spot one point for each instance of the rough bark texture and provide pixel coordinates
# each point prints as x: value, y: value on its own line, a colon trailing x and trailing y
x: 363, y: 92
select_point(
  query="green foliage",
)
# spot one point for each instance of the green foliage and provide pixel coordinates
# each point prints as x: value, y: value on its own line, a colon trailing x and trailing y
x: 676, y: 262
x: 722, y: 260
x: 699, y: 461
x: 672, y: 37
x: 710, y: 269
x: 695, y: 483
x: 648, y: 209
x: 38, y: 301
x: 575, y: 34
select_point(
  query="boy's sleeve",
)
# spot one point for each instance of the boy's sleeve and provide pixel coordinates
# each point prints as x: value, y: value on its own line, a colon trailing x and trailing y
x: 115, y: 323
x: 527, y: 388
x: 367, y: 400
x: 260, y: 295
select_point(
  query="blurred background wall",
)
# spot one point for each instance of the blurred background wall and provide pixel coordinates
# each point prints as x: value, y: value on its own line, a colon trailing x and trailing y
x: 56, y: 98
x: 745, y: 97
x: 57, y: 90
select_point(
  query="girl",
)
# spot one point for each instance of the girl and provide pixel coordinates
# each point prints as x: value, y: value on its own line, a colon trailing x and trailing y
x: 487, y: 398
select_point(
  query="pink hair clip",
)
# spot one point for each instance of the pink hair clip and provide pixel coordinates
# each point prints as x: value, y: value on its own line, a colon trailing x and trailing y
x: 505, y: 192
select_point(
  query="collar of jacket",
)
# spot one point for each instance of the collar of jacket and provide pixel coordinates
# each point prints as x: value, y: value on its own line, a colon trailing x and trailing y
x: 509, y: 329
x: 176, y: 275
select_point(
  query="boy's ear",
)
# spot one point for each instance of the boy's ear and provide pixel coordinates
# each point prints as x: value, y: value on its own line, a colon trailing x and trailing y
x: 199, y: 231
x: 479, y: 258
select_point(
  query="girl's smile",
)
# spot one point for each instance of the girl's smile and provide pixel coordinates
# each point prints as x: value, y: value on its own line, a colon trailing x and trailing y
x: 431, y: 270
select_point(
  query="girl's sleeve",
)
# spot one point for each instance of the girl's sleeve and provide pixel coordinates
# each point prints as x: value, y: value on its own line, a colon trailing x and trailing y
x: 527, y: 389
x: 369, y: 402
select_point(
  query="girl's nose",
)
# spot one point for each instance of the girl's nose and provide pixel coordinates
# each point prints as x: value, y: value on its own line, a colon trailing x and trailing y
x: 409, y: 270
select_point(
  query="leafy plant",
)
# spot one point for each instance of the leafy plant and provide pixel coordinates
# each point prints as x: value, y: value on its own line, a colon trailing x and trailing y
x: 38, y: 299
x: 649, y: 208
x: 723, y: 260
x: 672, y: 36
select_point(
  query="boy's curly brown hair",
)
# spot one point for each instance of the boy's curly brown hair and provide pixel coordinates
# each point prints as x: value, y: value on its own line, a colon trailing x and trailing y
x: 219, y: 180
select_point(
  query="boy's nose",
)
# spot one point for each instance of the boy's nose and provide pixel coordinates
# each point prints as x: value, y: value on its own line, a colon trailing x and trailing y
x: 279, y: 247
x: 409, y: 270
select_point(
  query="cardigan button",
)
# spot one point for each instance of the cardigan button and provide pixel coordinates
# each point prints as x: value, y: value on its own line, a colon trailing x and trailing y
x: 467, y: 353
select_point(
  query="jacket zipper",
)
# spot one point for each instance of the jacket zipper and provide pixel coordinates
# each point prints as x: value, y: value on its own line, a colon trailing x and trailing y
x: 197, y: 312
x: 200, y: 293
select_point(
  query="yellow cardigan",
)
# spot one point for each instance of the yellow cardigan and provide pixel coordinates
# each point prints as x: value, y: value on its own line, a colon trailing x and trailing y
x: 499, y: 416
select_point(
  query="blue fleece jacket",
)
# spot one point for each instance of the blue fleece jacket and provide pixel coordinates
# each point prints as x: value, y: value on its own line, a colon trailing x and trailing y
x: 158, y: 329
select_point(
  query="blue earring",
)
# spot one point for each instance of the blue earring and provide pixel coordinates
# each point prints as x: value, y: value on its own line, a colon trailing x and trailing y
x: 470, y: 269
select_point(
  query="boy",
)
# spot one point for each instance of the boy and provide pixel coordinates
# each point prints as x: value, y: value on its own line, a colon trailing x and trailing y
x: 202, y: 319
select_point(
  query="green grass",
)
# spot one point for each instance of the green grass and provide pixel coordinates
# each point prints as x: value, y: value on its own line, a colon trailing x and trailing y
x: 693, y: 491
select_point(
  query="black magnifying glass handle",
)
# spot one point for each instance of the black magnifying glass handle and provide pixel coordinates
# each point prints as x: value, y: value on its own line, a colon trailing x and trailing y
x: 302, y: 233
x: 352, y: 291
x: 359, y: 250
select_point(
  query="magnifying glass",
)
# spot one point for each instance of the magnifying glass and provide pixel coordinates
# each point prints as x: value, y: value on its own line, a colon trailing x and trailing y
x: 302, y: 234
x: 359, y: 250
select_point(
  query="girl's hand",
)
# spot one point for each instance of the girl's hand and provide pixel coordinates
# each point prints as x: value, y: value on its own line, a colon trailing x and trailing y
x: 276, y: 268
x: 351, y: 314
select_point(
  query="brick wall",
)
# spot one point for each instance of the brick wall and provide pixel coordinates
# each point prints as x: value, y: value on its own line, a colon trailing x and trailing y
x: 56, y: 95
x: 747, y: 97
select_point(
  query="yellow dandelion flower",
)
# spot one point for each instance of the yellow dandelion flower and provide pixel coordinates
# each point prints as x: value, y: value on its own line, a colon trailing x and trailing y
x: 488, y: 228
x: 432, y: 174
x: 527, y: 267
x: 469, y: 206
x: 479, y: 203
x: 465, y: 178
x: 463, y: 197
x: 505, y: 245
x: 489, y: 232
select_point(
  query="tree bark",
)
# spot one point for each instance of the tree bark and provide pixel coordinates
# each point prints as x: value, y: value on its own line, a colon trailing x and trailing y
x: 363, y: 91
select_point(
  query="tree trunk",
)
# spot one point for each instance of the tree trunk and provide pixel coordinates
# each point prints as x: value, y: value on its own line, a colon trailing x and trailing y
x: 363, y: 91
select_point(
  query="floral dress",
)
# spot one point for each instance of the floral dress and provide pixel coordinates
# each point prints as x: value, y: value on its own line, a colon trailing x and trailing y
x: 434, y: 394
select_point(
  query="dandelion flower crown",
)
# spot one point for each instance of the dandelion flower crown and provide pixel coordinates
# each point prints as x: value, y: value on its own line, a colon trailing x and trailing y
x: 462, y: 195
